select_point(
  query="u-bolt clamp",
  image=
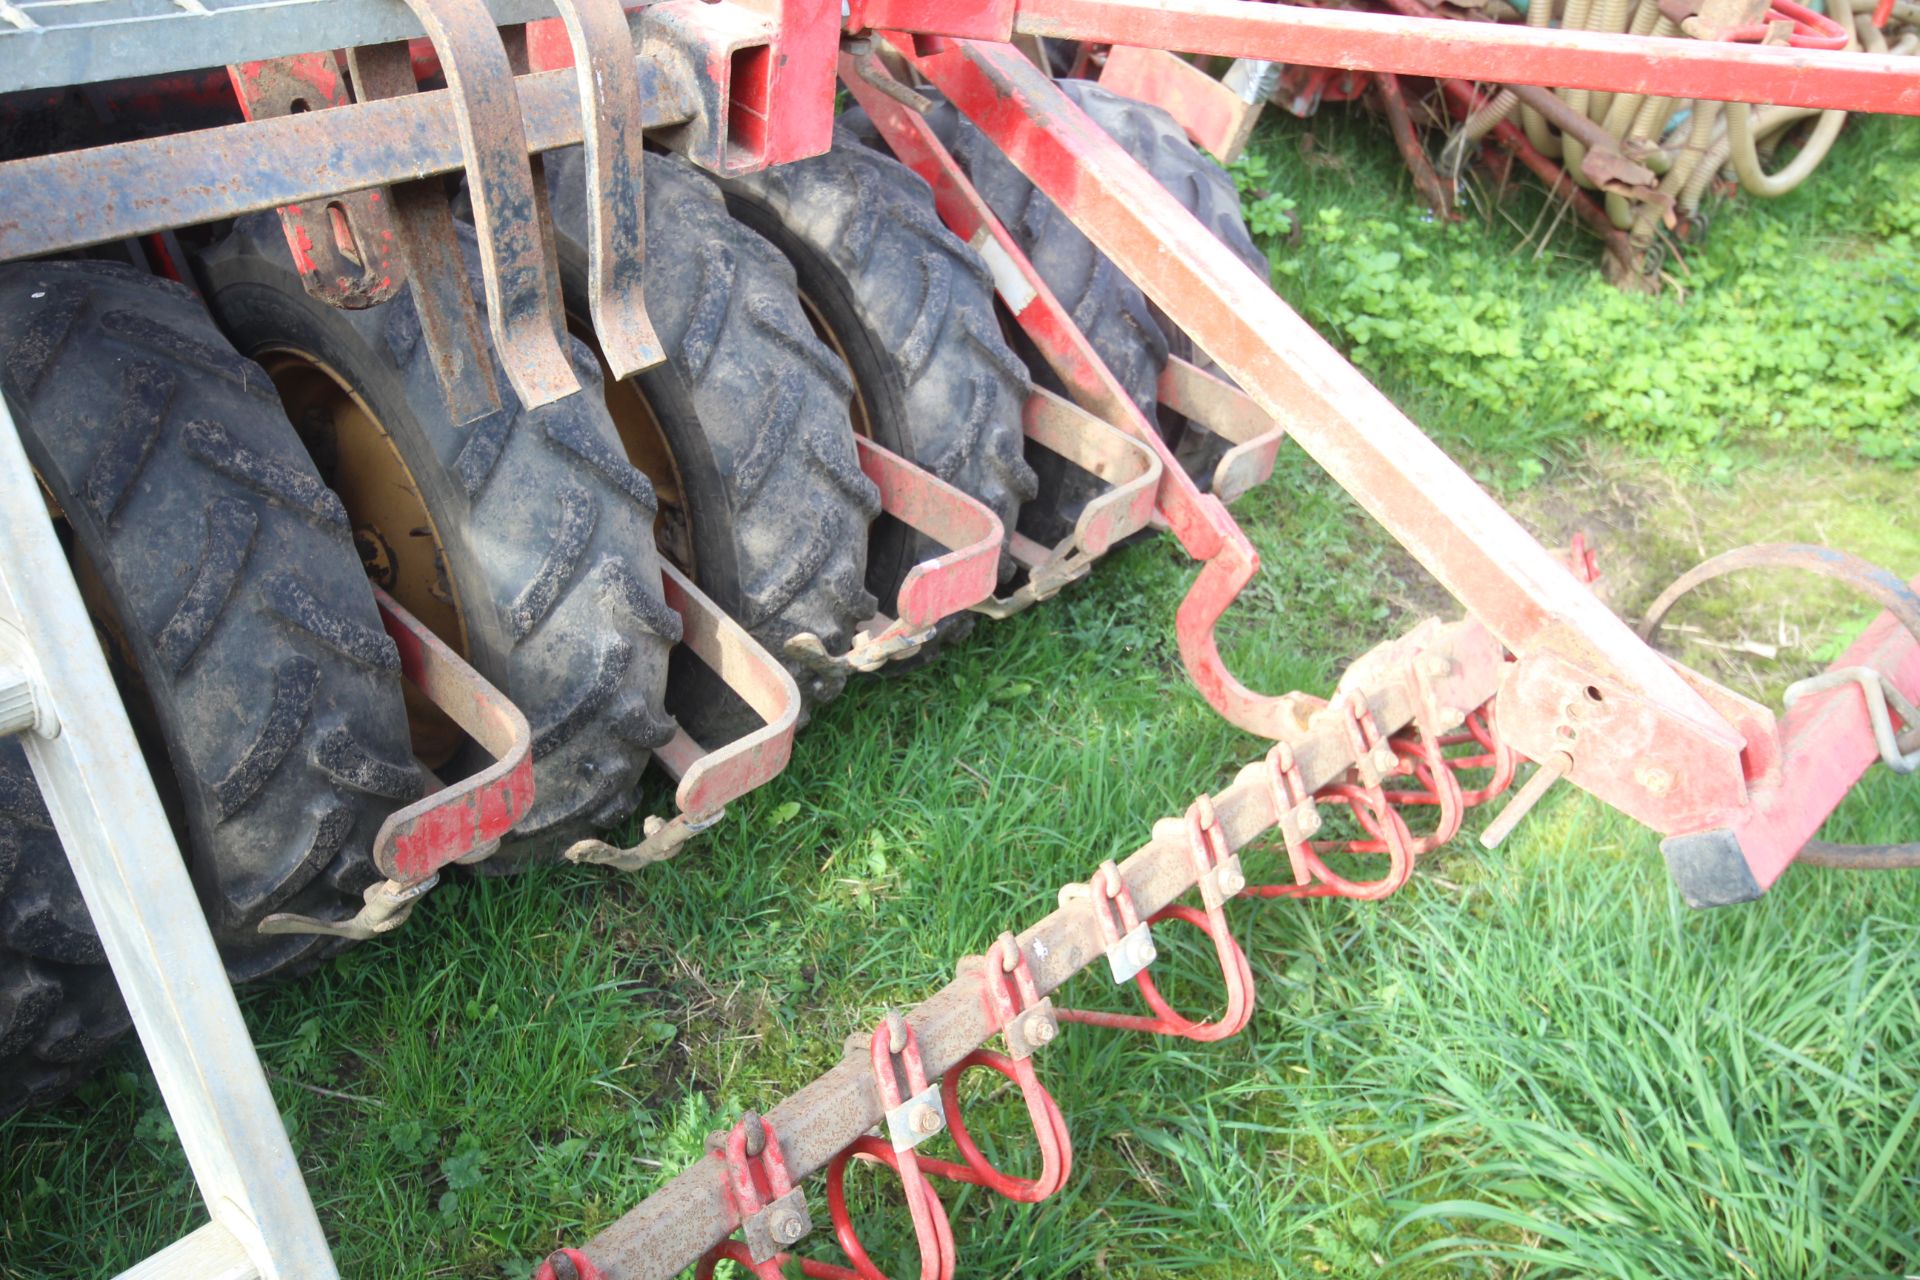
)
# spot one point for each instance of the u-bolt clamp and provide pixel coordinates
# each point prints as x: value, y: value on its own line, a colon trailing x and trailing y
x: 912, y: 1105
x: 914, y: 1114
x: 1127, y: 938
x: 1294, y: 811
x: 773, y: 1212
x: 1022, y: 1015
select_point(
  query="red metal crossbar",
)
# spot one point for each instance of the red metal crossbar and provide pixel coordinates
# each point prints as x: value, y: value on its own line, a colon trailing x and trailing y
x: 1645, y: 712
x: 1483, y: 51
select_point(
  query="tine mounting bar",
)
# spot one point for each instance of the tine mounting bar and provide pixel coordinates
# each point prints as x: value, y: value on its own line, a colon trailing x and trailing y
x: 675, y: 1226
x: 711, y: 780
x: 72, y: 199
x: 1569, y: 642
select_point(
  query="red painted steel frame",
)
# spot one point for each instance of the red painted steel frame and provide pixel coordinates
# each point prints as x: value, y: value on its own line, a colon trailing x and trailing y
x: 1827, y: 744
x: 1642, y: 712
x: 1486, y: 51
x: 1200, y: 521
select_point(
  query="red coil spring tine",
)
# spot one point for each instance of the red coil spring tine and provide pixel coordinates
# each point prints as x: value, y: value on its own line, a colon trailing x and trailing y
x: 1049, y: 1131
x: 1294, y: 812
x: 576, y: 1263
x: 735, y: 1251
x: 931, y: 1230
x: 1233, y: 967
x: 1220, y: 878
x: 754, y: 1180
x: 1500, y: 757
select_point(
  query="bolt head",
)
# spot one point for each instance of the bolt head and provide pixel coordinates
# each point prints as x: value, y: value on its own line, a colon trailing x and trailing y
x: 1231, y: 881
x: 924, y: 1120
x: 1436, y: 665
x: 1040, y: 1029
x: 1655, y: 781
x: 1310, y: 822
x: 786, y: 1226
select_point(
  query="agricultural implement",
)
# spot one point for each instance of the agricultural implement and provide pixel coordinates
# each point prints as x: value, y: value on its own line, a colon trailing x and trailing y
x: 683, y: 407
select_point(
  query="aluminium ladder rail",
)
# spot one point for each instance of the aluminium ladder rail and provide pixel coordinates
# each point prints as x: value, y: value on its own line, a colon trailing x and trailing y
x: 57, y: 697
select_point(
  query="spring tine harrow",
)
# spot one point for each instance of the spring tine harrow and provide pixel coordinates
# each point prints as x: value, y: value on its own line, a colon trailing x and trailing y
x: 1008, y: 991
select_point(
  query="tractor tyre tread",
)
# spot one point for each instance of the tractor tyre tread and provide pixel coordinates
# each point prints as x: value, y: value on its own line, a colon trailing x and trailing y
x: 264, y: 677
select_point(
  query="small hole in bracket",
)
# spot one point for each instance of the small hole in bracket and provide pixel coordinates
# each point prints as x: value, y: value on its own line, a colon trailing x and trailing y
x: 1594, y: 694
x: 1566, y: 731
x: 299, y: 106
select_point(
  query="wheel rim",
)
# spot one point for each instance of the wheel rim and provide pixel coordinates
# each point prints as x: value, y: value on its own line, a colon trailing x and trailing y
x: 399, y: 543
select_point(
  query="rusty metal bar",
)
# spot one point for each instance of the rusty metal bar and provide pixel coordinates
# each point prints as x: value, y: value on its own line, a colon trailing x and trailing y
x: 1486, y: 51
x: 1568, y: 640
x: 672, y: 1228
x: 103, y: 194
x: 711, y: 780
x: 616, y: 187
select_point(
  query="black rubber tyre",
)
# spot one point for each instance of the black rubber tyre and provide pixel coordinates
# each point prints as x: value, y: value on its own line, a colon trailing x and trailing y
x: 225, y: 574
x: 545, y: 528
x: 910, y: 309
x: 754, y: 410
x: 1206, y: 190
x: 1108, y: 308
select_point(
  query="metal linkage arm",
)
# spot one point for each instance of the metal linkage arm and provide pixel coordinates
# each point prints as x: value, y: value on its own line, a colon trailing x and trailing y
x: 1578, y: 661
x: 1331, y: 37
x: 680, y: 1222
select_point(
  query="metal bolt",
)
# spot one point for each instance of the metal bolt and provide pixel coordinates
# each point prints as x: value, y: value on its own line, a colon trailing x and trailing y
x: 923, y: 1120
x: 786, y: 1226
x: 1231, y: 881
x: 562, y: 1266
x: 1309, y: 822
x: 1656, y: 781
x: 1040, y: 1030
x: 1436, y: 665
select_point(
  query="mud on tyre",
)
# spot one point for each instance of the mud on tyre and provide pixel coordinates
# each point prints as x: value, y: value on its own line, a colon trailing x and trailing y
x: 744, y: 427
x: 536, y: 533
x: 233, y: 610
x: 909, y: 308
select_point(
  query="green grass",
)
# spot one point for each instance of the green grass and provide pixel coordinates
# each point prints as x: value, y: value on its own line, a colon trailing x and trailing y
x: 1532, y: 1062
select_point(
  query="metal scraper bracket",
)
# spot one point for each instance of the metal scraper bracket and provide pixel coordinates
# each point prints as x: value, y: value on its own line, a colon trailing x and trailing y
x: 711, y: 780
x: 460, y: 823
x: 933, y: 589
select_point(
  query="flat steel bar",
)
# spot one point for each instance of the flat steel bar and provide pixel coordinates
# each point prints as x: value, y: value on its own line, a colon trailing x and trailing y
x: 76, y: 48
x: 78, y: 198
x: 1487, y: 51
x: 669, y: 1231
x: 1462, y: 536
